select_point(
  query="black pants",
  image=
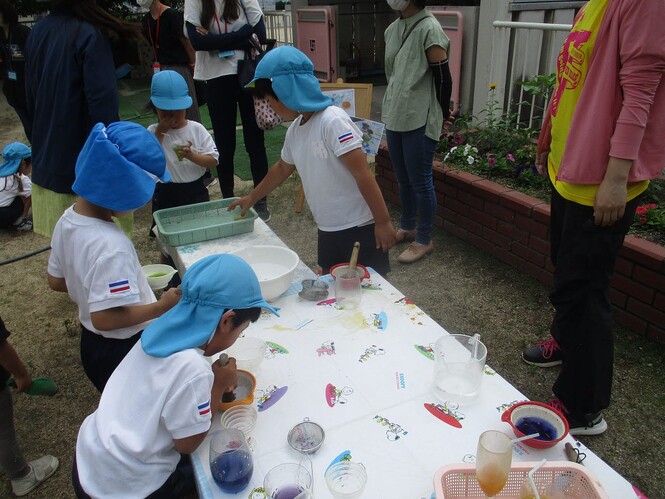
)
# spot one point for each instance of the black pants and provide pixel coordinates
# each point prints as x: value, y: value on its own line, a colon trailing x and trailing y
x: 224, y: 97
x: 9, y: 214
x: 335, y: 247
x: 584, y: 254
x: 100, y: 356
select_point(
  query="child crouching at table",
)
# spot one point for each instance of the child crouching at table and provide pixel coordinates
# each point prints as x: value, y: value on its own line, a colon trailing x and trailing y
x: 15, y: 187
x: 325, y: 146
x: 159, y: 402
x: 91, y: 257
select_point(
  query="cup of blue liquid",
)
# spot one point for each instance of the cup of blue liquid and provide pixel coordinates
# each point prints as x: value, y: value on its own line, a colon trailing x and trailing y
x: 288, y: 481
x: 231, y: 461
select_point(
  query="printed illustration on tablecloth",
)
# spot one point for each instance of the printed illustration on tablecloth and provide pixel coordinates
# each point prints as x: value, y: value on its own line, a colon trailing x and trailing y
x: 189, y: 249
x: 446, y: 412
x: 336, y: 395
x: 257, y: 493
x: 504, y: 407
x: 341, y: 457
x: 426, y: 350
x: 489, y: 371
x: 269, y: 397
x: 330, y: 302
x: 393, y: 430
x: 370, y: 352
x: 400, y: 380
x: 469, y: 459
x: 326, y: 348
x: 379, y: 321
x: 368, y: 285
x: 274, y: 349
x: 414, y: 314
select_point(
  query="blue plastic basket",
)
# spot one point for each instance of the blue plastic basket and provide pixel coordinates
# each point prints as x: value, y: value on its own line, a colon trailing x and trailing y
x: 194, y: 223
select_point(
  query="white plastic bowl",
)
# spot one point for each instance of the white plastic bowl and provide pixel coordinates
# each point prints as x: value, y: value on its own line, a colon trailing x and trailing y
x: 274, y: 267
x: 248, y: 352
x: 158, y: 275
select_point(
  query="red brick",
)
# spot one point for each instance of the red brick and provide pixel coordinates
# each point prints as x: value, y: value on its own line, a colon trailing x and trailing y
x: 483, y: 218
x: 511, y: 259
x: 439, y: 176
x: 455, y: 230
x: 629, y: 321
x: 438, y: 221
x: 623, y: 266
x: 481, y: 243
x: 518, y: 202
x: 515, y: 234
x: 649, y: 278
x: 471, y: 200
x: 539, y: 273
x: 449, y: 215
x: 500, y: 212
x: 539, y: 245
x: 645, y: 311
x: 631, y: 288
x: 457, y: 206
x: 645, y: 252
x: 459, y: 178
x: 541, y: 213
x: 532, y: 226
x: 449, y: 191
x: 497, y: 239
x: 656, y: 334
x: 386, y: 184
x: 438, y: 166
x: 549, y: 265
x: 618, y: 298
x: 528, y: 254
x: 392, y: 197
x: 383, y: 150
x: 659, y: 301
x: 470, y: 225
x: 490, y: 190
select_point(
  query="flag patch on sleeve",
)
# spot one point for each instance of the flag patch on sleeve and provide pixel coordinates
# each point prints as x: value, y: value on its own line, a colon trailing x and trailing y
x: 204, y: 408
x: 119, y: 287
x: 345, y: 137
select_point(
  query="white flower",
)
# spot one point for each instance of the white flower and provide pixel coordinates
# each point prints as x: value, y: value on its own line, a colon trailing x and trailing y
x: 467, y: 149
x: 471, y: 160
x: 445, y: 158
x: 475, y: 150
x: 453, y: 149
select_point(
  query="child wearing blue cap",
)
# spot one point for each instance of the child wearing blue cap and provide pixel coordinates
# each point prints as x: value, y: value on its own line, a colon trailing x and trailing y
x: 91, y: 257
x: 15, y: 187
x: 131, y: 445
x: 325, y: 146
x: 189, y: 149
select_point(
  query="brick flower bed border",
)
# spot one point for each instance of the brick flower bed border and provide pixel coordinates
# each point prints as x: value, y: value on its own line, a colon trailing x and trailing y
x: 514, y: 227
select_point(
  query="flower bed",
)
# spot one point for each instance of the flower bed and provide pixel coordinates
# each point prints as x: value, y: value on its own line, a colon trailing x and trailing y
x: 514, y: 227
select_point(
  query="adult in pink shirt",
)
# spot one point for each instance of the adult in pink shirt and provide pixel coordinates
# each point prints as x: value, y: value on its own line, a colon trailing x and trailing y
x: 601, y: 143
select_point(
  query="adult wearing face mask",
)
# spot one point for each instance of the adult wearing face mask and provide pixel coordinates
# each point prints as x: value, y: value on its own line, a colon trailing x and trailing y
x: 170, y: 49
x: 415, y: 105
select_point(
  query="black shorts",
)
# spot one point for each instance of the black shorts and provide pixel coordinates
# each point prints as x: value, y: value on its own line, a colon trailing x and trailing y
x: 336, y: 247
x: 172, y: 195
x: 9, y: 214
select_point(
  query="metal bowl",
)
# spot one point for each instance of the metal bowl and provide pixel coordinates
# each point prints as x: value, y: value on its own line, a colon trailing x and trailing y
x: 306, y: 437
x: 313, y: 290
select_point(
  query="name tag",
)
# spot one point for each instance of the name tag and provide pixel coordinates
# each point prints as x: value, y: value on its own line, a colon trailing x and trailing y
x: 156, y: 68
x: 11, y: 75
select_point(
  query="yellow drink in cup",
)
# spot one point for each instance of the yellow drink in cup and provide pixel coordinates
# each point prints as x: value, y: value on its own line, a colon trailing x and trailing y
x: 179, y: 149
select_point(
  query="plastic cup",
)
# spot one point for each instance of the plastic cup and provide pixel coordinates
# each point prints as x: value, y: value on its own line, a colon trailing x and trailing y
x: 459, y: 361
x: 287, y: 481
x: 241, y: 417
x: 179, y: 149
x: 346, y: 480
x: 348, y: 292
x: 231, y: 461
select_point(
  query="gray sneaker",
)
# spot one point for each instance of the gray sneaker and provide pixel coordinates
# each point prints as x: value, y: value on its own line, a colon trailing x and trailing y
x: 40, y: 470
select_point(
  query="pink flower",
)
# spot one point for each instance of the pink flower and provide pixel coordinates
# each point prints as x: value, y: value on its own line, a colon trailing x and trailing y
x: 491, y: 160
x: 641, y: 210
x: 643, y: 220
x: 510, y: 157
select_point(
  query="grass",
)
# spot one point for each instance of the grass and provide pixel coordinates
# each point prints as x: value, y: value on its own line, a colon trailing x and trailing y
x: 135, y: 94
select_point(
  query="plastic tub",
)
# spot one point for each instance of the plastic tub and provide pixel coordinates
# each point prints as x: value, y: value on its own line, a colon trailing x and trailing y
x: 274, y: 266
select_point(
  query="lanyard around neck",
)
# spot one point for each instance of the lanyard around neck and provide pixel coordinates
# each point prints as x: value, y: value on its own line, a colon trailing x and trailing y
x: 219, y: 28
x: 155, y: 42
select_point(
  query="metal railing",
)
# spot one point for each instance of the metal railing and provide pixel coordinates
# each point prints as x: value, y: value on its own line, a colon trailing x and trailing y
x: 279, y: 26
x: 521, y: 50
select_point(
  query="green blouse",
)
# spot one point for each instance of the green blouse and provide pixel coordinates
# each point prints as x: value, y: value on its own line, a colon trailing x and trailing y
x: 410, y: 99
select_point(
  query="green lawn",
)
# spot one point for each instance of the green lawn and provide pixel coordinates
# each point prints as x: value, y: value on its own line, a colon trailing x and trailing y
x: 135, y: 94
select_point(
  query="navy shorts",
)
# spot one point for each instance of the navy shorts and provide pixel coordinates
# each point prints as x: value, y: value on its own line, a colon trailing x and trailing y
x: 336, y: 247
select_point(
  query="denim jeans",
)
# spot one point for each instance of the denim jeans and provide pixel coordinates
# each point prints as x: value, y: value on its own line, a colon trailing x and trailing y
x: 412, y: 154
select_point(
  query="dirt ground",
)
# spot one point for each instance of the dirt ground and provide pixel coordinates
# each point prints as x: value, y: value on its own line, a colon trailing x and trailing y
x: 461, y: 288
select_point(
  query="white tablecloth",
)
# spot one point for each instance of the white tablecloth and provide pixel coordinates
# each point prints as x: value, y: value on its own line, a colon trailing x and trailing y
x: 376, y: 361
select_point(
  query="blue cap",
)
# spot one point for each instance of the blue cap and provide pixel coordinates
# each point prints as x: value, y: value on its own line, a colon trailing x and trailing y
x: 169, y: 91
x: 118, y: 166
x: 211, y: 286
x: 293, y: 80
x: 13, y: 154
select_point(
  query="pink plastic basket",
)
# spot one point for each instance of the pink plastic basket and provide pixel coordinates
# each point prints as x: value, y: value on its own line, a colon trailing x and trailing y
x: 571, y: 479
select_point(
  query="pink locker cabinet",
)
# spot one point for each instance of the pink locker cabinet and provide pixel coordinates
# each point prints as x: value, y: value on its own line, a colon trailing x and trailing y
x: 316, y: 36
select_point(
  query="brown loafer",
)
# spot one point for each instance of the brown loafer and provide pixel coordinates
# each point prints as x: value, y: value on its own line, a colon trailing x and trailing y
x: 415, y: 252
x: 405, y: 236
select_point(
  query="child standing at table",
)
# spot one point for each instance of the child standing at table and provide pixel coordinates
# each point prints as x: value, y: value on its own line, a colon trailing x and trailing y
x: 325, y: 146
x: 15, y: 187
x: 131, y: 445
x: 91, y: 257
x: 188, y: 147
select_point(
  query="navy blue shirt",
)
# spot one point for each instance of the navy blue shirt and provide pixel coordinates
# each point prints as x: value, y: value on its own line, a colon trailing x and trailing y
x: 13, y: 61
x: 70, y: 86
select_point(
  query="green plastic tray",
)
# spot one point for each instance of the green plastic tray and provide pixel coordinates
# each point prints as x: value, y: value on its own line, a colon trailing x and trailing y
x: 194, y: 223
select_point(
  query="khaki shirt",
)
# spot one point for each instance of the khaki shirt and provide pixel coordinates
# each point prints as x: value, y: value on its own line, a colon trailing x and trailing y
x: 410, y: 99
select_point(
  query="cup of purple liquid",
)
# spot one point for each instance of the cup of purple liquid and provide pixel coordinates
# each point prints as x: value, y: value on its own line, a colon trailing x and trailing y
x: 231, y: 461
x: 288, y: 481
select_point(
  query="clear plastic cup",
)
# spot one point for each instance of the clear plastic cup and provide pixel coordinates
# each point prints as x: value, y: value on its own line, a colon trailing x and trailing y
x: 242, y: 417
x: 459, y: 361
x: 346, y: 479
x: 288, y: 481
x: 347, y: 292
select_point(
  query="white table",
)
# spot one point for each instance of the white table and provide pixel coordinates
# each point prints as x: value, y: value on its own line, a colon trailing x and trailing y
x: 380, y: 364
